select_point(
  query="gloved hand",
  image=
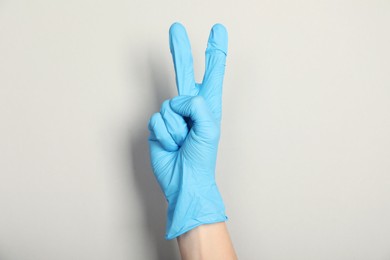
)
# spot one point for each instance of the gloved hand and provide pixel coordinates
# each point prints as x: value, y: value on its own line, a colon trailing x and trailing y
x: 184, y: 136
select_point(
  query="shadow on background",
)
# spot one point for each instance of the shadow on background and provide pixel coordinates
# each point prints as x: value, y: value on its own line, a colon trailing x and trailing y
x: 153, y: 201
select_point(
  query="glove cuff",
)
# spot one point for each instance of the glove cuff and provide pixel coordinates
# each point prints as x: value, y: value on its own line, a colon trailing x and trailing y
x: 189, y: 209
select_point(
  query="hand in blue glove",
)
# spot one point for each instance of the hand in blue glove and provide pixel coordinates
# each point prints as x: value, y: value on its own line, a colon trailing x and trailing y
x: 184, y: 136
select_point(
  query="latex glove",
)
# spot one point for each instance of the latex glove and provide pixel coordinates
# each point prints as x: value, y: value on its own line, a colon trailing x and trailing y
x: 184, y: 136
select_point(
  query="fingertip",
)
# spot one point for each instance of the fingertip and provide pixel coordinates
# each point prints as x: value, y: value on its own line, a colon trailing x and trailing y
x: 219, y: 27
x: 218, y: 38
x: 175, y: 27
x: 176, y: 31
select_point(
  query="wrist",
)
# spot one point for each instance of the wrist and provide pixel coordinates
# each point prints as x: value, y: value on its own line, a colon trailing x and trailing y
x: 192, y: 207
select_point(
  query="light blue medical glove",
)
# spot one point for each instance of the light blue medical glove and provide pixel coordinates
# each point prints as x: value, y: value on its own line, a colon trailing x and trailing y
x: 184, y: 136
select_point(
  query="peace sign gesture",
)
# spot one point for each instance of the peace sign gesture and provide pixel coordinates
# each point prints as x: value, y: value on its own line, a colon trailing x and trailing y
x: 211, y: 87
x: 184, y: 135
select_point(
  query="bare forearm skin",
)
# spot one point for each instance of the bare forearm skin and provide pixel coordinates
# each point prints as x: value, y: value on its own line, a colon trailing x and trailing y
x: 207, y: 242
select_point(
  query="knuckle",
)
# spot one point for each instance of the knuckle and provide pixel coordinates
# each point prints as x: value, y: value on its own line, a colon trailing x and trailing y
x: 165, y: 106
x: 153, y: 120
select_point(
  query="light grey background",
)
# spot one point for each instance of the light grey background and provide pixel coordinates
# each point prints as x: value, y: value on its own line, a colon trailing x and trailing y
x: 304, y: 160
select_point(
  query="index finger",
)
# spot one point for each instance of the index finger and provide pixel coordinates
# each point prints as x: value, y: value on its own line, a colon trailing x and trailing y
x: 182, y: 59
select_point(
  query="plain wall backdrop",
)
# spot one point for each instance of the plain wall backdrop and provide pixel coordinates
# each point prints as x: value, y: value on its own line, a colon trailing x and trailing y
x: 304, y: 158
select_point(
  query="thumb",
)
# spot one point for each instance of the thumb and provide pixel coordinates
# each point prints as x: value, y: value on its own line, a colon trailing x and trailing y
x: 194, y: 107
x: 203, y: 123
x: 205, y: 131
